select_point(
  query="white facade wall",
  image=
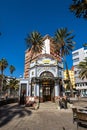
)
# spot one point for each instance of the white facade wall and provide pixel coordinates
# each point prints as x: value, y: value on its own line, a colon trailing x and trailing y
x: 33, y: 72
x: 40, y: 65
x: 46, y: 48
x: 85, y: 53
x: 78, y: 56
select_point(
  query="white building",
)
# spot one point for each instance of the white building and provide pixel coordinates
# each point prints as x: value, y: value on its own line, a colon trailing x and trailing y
x: 43, y: 75
x: 78, y: 56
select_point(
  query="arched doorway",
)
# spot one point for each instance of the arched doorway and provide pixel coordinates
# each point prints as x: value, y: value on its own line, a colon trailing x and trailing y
x: 47, y: 86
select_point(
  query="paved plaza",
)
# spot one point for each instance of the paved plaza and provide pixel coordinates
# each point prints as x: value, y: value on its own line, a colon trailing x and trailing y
x: 15, y: 117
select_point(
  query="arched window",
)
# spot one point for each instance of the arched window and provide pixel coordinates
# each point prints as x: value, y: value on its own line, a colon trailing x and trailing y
x: 46, y: 74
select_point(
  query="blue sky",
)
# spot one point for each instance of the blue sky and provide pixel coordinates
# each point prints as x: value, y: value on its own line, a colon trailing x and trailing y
x: 20, y: 17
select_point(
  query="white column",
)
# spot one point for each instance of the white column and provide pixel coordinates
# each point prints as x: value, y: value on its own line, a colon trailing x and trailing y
x: 56, y: 89
x: 37, y: 86
x: 27, y: 90
x: 19, y: 89
x: 35, y: 90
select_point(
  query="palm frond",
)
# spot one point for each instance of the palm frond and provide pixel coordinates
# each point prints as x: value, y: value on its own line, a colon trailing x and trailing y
x: 83, y: 69
x: 34, y: 41
x: 79, y: 8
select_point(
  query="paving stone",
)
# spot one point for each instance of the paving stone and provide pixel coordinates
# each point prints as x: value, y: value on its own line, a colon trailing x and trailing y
x: 14, y: 117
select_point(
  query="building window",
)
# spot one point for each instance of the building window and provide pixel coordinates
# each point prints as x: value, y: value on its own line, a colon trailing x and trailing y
x: 76, y: 60
x: 77, y: 85
x: 75, y: 66
x: 86, y: 84
x: 75, y: 54
x: 80, y: 84
x: 32, y: 72
x: 60, y: 73
x: 75, y: 72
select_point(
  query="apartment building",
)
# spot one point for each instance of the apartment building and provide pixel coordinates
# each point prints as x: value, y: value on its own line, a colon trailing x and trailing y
x: 72, y: 79
x: 78, y: 56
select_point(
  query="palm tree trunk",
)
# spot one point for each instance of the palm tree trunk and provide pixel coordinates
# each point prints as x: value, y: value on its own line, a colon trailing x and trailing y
x: 2, y: 82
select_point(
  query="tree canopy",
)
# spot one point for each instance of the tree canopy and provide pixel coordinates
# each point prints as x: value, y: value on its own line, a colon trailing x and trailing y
x: 83, y: 69
x: 79, y: 8
x: 34, y: 41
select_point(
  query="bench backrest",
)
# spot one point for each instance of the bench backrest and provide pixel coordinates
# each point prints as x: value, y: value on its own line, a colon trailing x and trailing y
x: 82, y: 116
x: 74, y: 111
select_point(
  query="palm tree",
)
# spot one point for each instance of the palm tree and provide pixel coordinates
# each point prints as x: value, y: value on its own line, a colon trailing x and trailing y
x: 83, y: 69
x: 4, y: 83
x: 85, y: 45
x: 79, y: 8
x: 3, y: 66
x: 64, y: 44
x: 0, y: 80
x: 13, y: 84
x: 34, y: 42
x: 12, y: 69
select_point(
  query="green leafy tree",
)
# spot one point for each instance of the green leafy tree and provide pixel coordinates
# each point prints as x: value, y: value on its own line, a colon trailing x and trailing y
x: 79, y: 8
x: 34, y: 42
x: 65, y: 44
x: 83, y: 69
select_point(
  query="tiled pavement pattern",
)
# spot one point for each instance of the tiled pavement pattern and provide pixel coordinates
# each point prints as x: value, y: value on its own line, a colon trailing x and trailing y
x: 15, y: 117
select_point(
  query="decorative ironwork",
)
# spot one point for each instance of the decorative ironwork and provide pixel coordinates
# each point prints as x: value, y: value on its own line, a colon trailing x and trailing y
x: 46, y: 74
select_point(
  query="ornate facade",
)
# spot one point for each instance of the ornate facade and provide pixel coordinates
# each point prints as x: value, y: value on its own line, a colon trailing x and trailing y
x: 43, y: 75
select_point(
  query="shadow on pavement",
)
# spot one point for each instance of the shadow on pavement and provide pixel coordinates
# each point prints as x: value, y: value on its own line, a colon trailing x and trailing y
x: 83, y: 125
x: 8, y: 112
